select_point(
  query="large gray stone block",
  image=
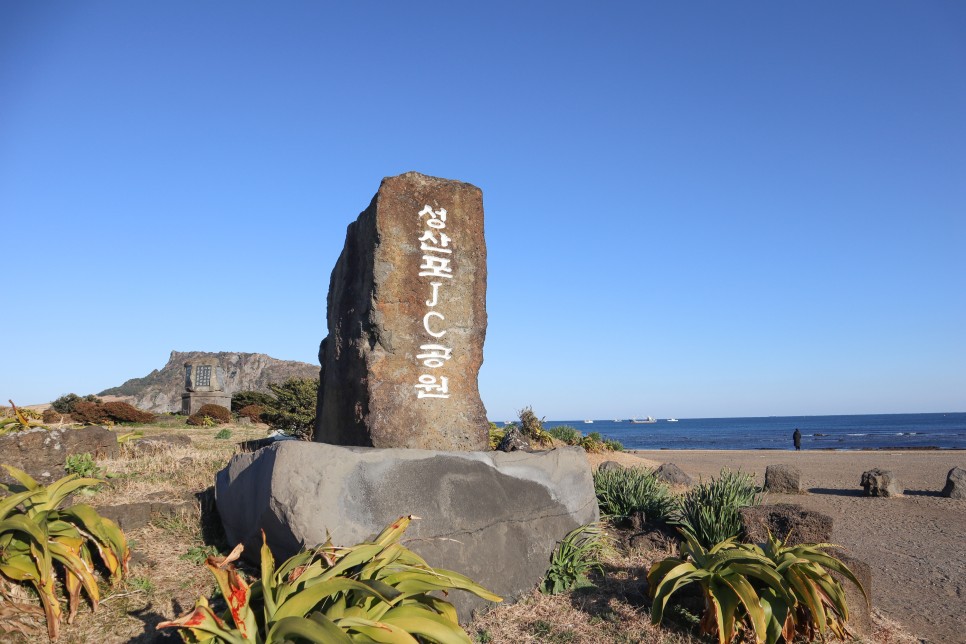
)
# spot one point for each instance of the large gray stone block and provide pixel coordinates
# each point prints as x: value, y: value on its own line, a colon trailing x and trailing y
x: 493, y: 516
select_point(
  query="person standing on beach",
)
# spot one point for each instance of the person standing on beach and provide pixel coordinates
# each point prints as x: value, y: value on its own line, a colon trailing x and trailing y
x: 797, y: 439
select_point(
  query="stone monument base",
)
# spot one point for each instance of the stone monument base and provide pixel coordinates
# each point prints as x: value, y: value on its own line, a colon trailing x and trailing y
x: 193, y: 400
x: 493, y: 516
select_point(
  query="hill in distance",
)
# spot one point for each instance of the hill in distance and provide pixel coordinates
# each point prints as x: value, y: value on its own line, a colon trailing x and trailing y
x: 160, y: 391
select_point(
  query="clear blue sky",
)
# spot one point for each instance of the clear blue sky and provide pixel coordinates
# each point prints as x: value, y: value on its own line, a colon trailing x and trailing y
x: 693, y: 209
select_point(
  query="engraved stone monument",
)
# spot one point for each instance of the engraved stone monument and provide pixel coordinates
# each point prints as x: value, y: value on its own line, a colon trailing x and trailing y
x: 407, y: 320
x: 204, y: 383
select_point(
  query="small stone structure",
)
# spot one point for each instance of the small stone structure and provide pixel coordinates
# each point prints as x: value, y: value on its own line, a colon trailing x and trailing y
x: 782, y: 519
x: 406, y: 322
x: 783, y: 479
x: 878, y: 482
x: 494, y: 516
x: 955, y: 484
x: 204, y: 383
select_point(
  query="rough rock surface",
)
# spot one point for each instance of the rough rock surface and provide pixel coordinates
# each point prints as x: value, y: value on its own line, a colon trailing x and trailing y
x: 607, y: 466
x: 493, y: 516
x: 877, y: 482
x: 131, y: 516
x: 783, y: 479
x: 513, y: 440
x: 671, y: 473
x: 955, y: 484
x: 407, y: 320
x: 42, y: 453
x: 160, y: 391
x: 804, y: 526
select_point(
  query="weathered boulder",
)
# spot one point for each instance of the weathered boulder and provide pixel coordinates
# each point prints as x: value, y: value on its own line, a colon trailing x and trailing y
x: 955, y: 484
x: 783, y: 479
x: 42, y: 453
x: 877, y: 482
x: 513, y: 440
x: 784, y: 519
x: 406, y: 322
x: 494, y: 516
x: 671, y: 473
x: 607, y: 466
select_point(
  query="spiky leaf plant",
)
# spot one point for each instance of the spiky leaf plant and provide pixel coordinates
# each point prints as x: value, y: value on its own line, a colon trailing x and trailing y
x: 35, y: 532
x: 575, y: 556
x: 375, y: 591
x: 711, y: 510
x: 627, y: 491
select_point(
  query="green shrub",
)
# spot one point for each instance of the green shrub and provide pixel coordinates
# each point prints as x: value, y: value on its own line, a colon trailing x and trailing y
x: 773, y: 591
x: 292, y: 411
x: 216, y: 415
x: 575, y: 556
x: 36, y: 533
x: 122, y: 412
x: 372, y: 592
x: 496, y: 435
x: 566, y: 434
x: 532, y: 427
x: 82, y: 465
x: 622, y: 492
x: 613, y: 445
x: 710, y: 510
x: 223, y: 434
x: 65, y: 404
x: 242, y: 399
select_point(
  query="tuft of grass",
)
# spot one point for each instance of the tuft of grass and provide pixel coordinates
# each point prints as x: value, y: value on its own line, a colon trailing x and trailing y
x: 223, y: 434
x: 628, y: 491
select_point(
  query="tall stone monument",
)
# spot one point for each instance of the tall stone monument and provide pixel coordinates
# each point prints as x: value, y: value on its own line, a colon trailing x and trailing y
x: 407, y: 320
x: 204, y: 384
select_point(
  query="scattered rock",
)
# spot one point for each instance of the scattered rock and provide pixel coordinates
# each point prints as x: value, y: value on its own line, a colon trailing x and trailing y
x: 783, y: 479
x: 784, y: 519
x: 157, y: 444
x: 672, y: 474
x: 493, y: 516
x: 877, y: 482
x: 607, y: 466
x: 131, y: 516
x: 955, y: 484
x: 41, y: 452
x: 514, y: 440
x: 406, y: 322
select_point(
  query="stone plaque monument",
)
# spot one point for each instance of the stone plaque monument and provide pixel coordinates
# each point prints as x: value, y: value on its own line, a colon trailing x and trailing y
x: 204, y: 383
x: 407, y: 320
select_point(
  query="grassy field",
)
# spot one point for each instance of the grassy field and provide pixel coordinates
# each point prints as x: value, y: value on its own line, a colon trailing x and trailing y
x: 167, y: 575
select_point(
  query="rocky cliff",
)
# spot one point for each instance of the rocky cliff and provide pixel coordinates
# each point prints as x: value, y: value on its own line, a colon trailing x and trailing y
x: 160, y: 391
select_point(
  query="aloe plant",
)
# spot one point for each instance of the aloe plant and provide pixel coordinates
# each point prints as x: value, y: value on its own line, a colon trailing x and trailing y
x: 575, y: 556
x: 35, y: 532
x: 774, y: 590
x: 375, y: 591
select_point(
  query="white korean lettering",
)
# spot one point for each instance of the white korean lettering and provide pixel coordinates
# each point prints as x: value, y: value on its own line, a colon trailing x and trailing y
x: 435, y: 267
x: 438, y: 246
x: 435, y: 299
x: 426, y: 323
x: 437, y: 219
x: 429, y: 384
x: 436, y: 355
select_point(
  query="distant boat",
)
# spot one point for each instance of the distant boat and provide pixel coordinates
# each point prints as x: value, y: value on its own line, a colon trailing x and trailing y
x: 618, y: 420
x: 588, y: 422
x: 672, y: 420
x: 646, y: 421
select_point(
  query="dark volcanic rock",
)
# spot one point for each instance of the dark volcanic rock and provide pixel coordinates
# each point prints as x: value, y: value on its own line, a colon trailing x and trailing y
x: 42, y: 453
x: 877, y: 482
x: 671, y: 473
x: 955, y: 484
x: 607, y: 466
x: 783, y: 479
x: 805, y: 526
x: 160, y: 391
x: 513, y: 440
x: 406, y: 321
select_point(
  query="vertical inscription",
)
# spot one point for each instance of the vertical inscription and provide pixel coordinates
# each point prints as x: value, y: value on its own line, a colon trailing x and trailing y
x: 436, y: 264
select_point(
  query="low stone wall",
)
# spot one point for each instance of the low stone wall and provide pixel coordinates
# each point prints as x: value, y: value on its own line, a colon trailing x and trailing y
x: 42, y: 452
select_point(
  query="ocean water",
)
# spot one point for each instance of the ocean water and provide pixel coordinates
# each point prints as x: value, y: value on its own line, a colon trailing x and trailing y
x: 873, y: 431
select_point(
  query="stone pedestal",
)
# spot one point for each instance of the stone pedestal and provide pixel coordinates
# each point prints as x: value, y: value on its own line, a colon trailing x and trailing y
x: 191, y: 401
x: 493, y: 516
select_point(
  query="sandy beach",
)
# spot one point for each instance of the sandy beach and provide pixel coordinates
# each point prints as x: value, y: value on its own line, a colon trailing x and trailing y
x: 913, y: 543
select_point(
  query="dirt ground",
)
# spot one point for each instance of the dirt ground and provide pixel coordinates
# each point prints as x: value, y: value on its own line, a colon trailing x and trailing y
x: 913, y: 543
